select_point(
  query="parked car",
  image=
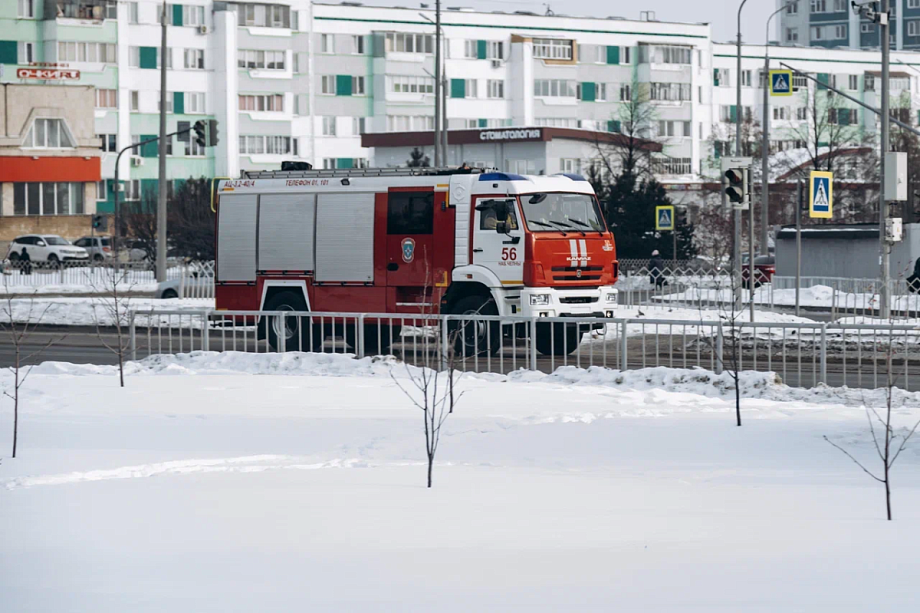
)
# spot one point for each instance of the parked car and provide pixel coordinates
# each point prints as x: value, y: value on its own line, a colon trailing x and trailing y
x: 764, y: 269
x: 198, y: 283
x: 48, y: 249
x: 98, y: 247
x: 131, y: 250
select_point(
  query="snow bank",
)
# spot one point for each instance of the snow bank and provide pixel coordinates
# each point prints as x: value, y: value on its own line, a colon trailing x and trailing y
x: 762, y: 385
x: 96, y: 311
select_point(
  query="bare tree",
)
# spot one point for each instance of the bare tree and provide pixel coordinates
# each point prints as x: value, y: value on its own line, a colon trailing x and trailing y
x: 23, y: 353
x: 434, y: 389
x: 115, y: 286
x: 887, y: 442
x: 633, y: 120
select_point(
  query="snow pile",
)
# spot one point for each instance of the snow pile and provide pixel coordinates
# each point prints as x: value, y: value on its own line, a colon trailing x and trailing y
x: 99, y: 311
x: 697, y: 381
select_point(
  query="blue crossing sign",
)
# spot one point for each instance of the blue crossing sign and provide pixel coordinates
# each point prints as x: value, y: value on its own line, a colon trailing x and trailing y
x: 664, y: 218
x: 821, y: 194
x: 780, y: 82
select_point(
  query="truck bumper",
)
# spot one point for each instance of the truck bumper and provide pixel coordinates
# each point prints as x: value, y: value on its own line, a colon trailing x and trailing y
x: 553, y: 302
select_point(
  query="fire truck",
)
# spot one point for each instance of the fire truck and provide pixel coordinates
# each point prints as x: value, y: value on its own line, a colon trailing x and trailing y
x: 415, y: 241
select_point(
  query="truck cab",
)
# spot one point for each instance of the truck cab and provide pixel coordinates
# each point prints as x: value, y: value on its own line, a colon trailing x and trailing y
x: 539, y: 244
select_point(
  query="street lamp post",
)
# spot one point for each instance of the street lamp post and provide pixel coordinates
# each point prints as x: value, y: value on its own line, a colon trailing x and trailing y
x: 765, y: 145
x: 736, y: 217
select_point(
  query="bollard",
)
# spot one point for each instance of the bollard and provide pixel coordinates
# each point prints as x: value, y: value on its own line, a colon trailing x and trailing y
x: 720, y: 344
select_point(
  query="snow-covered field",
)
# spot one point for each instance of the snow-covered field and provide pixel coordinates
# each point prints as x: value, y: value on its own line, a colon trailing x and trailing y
x: 817, y: 296
x: 92, y: 311
x: 231, y: 482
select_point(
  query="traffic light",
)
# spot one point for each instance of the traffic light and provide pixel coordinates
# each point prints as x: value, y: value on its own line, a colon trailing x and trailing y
x: 212, y: 133
x: 199, y: 129
x: 98, y: 222
x: 736, y: 184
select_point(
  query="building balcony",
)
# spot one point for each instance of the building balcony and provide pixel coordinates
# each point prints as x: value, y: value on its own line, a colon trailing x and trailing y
x: 84, y: 10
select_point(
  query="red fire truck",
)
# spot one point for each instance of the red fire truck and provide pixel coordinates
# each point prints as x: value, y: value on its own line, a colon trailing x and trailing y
x: 399, y: 240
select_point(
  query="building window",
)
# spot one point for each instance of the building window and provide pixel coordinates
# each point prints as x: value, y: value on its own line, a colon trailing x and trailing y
x: 554, y: 88
x: 495, y: 88
x: 48, y: 134
x: 799, y: 81
x: 194, y: 102
x: 25, y: 52
x: 671, y: 91
x: 357, y: 125
x: 801, y: 113
x: 357, y: 44
x: 410, y: 43
x: 470, y: 49
x: 495, y: 50
x: 47, y: 198
x: 411, y: 85
x: 194, y: 59
x: 792, y: 8
x: 262, y: 102
x: 328, y: 126
x: 134, y: 100
x: 840, y: 32
x: 264, y: 15
x: 913, y: 28
x: 170, y: 99
x: 193, y: 149
x: 102, y: 190
x: 556, y: 122
x: 853, y: 82
x: 817, y: 33
x: 779, y: 113
x: 132, y: 13
x: 327, y: 84
x: 818, y: 6
x: 273, y: 145
x: 26, y: 9
x: 899, y: 83
x: 676, y: 129
x: 625, y: 92
x: 570, y: 165
x: 192, y: 15
x: 792, y: 35
x: 326, y: 43
x: 357, y: 86
x: 745, y: 78
x: 260, y: 60
x: 552, y: 49
x: 103, y: 53
x: 721, y: 77
x: 664, y: 54
x: 106, y: 98
x: 406, y: 123
x: 841, y: 6
x: 108, y: 143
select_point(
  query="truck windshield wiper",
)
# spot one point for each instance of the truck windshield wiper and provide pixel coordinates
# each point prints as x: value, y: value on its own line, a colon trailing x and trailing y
x: 547, y: 225
x: 582, y: 224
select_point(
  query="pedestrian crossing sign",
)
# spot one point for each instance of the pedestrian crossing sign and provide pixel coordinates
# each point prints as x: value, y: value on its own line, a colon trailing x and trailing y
x: 664, y: 218
x: 780, y: 82
x: 821, y: 195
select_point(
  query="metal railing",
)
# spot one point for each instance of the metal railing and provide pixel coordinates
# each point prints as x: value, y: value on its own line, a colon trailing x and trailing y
x: 802, y: 354
x: 196, y: 278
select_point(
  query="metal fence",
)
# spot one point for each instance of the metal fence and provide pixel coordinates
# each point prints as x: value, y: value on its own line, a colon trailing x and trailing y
x: 802, y: 354
x: 197, y: 278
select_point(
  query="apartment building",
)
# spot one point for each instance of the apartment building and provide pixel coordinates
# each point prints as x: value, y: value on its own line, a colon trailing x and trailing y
x: 292, y: 79
x: 833, y: 23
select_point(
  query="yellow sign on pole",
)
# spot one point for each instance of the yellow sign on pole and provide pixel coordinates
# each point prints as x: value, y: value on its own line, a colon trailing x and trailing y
x: 821, y: 194
x: 780, y: 82
x: 664, y: 218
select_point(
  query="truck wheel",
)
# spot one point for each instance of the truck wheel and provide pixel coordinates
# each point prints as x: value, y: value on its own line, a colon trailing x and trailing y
x: 297, y: 330
x: 474, y: 337
x: 373, y: 346
x: 560, y: 339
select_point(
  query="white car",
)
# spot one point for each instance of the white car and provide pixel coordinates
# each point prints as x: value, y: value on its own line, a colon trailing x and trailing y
x: 46, y: 248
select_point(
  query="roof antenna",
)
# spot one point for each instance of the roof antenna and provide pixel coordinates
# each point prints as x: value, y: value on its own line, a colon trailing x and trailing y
x: 549, y: 11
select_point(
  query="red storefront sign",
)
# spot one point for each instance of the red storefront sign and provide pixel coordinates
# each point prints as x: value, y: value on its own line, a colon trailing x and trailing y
x: 47, y: 74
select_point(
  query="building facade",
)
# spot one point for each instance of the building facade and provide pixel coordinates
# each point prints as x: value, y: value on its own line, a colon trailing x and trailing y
x: 295, y: 80
x: 833, y: 23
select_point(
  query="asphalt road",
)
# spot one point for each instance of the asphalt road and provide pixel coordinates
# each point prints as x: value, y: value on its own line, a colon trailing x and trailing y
x: 86, y: 346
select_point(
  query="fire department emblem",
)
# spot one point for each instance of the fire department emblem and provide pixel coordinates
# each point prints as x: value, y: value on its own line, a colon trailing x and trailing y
x: 607, y: 246
x: 408, y: 250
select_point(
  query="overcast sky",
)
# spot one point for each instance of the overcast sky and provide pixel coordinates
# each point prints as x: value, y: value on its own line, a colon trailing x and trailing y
x: 721, y: 14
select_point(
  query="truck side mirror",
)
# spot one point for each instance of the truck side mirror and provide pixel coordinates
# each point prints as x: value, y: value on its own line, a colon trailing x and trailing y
x: 502, y: 227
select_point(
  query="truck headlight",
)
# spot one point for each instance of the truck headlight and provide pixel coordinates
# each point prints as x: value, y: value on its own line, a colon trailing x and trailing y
x: 612, y: 297
x: 539, y: 300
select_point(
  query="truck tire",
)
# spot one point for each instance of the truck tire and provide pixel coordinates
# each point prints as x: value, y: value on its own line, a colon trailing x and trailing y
x: 560, y: 339
x: 474, y: 338
x: 297, y: 332
x: 373, y: 346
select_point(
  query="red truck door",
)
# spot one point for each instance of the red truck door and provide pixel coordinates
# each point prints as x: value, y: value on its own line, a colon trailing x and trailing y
x: 420, y: 240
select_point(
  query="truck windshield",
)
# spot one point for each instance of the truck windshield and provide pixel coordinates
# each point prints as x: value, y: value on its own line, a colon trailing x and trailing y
x: 552, y: 212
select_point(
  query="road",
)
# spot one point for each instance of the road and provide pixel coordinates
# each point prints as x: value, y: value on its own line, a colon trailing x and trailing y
x: 84, y: 345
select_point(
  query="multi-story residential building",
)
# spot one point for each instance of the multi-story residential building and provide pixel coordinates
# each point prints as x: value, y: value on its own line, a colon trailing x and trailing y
x: 291, y: 79
x: 833, y: 23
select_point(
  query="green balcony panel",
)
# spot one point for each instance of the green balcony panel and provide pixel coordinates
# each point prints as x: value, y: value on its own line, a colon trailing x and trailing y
x: 481, y: 49
x: 150, y: 149
x: 177, y: 14
x: 179, y: 102
x: 457, y: 88
x: 613, y: 54
x: 342, y: 85
x: 148, y: 57
x: 344, y: 163
x: 588, y: 92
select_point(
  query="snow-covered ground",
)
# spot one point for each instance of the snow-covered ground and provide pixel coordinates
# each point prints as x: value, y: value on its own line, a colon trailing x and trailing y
x: 231, y: 482
x: 92, y: 311
x: 817, y: 296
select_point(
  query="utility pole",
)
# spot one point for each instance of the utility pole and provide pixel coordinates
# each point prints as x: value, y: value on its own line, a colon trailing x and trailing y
x: 765, y: 144
x: 736, y: 216
x: 438, y: 91
x: 800, y: 189
x: 161, y: 196
x: 884, y: 296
